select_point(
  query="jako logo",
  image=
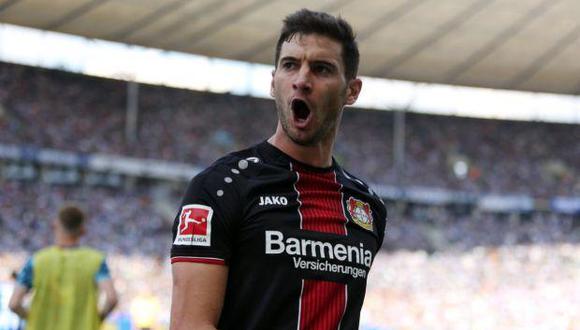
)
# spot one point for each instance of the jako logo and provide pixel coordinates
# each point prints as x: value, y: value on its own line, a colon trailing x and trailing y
x: 273, y: 200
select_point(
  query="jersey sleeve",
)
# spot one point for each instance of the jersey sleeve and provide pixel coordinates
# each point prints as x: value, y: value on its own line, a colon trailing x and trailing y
x: 382, y: 223
x: 204, y: 227
x: 26, y: 274
x: 103, y: 273
x: 382, y: 215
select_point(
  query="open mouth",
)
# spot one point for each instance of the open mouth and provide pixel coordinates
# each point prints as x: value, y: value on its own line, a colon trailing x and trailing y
x: 300, y: 109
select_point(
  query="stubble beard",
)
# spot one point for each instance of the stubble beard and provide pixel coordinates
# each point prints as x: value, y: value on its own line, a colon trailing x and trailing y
x: 326, y: 128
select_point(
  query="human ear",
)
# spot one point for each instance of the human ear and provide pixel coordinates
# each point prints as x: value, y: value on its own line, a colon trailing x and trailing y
x: 272, y: 84
x: 353, y: 90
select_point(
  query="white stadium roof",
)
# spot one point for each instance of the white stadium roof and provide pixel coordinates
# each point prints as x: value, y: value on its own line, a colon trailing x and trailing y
x: 531, y: 45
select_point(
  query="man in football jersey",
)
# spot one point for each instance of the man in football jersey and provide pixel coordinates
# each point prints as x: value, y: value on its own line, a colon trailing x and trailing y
x: 279, y: 236
x: 65, y: 280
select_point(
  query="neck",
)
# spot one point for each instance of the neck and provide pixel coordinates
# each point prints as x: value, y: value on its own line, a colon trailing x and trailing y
x: 67, y: 241
x: 317, y: 155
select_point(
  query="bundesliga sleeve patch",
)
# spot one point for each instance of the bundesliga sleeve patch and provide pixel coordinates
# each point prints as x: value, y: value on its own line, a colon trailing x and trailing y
x: 194, y: 225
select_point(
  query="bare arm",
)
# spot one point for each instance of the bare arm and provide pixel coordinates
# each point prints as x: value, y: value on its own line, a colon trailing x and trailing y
x: 198, y: 295
x: 107, y: 287
x: 16, y: 301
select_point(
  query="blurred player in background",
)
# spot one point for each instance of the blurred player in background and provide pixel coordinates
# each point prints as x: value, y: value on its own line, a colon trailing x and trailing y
x: 65, y: 280
x: 279, y: 236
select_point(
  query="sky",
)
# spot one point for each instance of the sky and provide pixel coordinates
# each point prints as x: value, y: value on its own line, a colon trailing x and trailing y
x: 182, y: 70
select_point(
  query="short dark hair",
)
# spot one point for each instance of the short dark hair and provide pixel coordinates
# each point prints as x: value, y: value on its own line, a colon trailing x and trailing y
x: 306, y: 21
x: 71, y: 218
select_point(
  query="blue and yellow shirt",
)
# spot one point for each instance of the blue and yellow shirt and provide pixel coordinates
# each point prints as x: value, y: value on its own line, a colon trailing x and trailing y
x: 65, y: 286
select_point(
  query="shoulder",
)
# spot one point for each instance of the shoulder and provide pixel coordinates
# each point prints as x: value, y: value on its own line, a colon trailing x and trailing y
x: 357, y: 182
x: 360, y: 198
x: 26, y: 273
x: 239, y: 162
x: 91, y: 252
x: 351, y: 182
x: 45, y: 252
x: 221, y: 185
x: 232, y: 170
x: 90, y: 255
x: 94, y: 260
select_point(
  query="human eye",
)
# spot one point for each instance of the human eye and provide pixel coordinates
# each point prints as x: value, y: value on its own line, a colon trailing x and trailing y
x: 322, y: 68
x: 288, y: 65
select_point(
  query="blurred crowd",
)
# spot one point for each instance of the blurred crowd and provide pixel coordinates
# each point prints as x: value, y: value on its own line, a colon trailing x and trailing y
x: 124, y: 221
x: 88, y: 115
x: 137, y: 220
x: 437, y: 228
x: 441, y: 267
x: 503, y: 288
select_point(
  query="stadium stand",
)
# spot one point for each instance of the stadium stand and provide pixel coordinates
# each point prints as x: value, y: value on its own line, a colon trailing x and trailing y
x: 534, y: 253
x: 87, y: 115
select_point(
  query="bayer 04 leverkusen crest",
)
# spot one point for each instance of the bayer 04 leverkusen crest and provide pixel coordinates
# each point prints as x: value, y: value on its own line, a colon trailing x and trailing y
x: 360, y: 212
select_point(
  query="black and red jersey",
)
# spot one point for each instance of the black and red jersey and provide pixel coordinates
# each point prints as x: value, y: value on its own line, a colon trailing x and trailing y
x: 298, y: 240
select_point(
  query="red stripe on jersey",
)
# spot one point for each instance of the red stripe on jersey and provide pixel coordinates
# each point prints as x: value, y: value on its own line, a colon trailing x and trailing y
x: 322, y: 303
x: 320, y: 202
x: 214, y: 261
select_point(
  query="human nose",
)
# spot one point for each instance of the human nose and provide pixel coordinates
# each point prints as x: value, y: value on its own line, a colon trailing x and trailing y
x: 302, y: 81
